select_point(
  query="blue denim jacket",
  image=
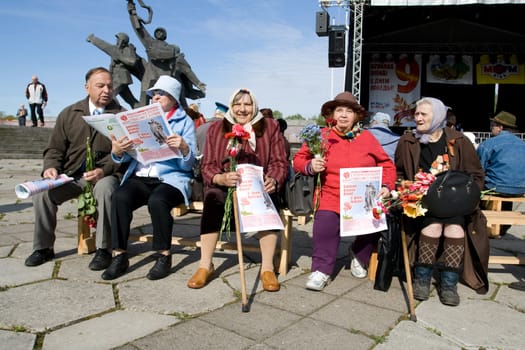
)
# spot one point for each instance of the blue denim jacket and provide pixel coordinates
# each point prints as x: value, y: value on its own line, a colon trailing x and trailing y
x: 176, y: 172
x: 503, y: 159
x: 387, y: 138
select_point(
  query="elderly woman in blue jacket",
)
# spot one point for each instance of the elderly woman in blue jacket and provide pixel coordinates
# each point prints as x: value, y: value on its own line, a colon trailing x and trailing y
x: 161, y: 185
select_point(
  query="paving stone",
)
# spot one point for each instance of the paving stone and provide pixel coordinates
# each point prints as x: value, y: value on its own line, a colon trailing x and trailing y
x: 107, y: 331
x: 14, y: 272
x: 259, y: 323
x: 358, y: 316
x: 16, y: 340
x: 314, y: 334
x: 50, y: 304
x: 491, y: 325
x: 409, y: 335
x: 193, y: 334
x: 295, y: 299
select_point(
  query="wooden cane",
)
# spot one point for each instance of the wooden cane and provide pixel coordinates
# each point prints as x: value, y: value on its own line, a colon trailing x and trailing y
x: 244, y: 298
x: 408, y: 274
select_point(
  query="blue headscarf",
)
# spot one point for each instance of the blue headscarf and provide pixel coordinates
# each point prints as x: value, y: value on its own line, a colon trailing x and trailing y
x: 439, y: 118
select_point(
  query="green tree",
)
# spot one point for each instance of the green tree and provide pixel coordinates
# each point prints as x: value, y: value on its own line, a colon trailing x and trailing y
x: 277, y: 115
x: 295, y: 117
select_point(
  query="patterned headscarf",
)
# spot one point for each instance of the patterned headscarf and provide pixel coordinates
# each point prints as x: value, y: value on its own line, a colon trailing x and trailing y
x: 255, y: 113
x: 439, y: 118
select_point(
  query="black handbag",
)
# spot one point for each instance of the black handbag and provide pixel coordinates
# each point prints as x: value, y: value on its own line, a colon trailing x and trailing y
x: 453, y: 193
x: 298, y: 194
x: 389, y: 253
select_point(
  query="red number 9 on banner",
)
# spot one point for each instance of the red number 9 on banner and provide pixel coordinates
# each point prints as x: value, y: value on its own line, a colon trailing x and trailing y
x: 411, y: 77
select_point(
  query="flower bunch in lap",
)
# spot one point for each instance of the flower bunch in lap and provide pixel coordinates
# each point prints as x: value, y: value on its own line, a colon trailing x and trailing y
x: 408, y: 195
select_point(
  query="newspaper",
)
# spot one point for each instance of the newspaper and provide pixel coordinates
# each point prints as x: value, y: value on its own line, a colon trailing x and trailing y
x: 358, y: 196
x: 146, y: 126
x: 256, y: 209
x: 27, y: 189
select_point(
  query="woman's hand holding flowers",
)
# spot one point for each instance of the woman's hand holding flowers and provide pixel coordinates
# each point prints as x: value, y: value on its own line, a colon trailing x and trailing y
x: 317, y: 165
x: 228, y: 179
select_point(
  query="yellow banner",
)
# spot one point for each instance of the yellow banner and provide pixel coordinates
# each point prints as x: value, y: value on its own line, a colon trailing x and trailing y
x: 500, y: 72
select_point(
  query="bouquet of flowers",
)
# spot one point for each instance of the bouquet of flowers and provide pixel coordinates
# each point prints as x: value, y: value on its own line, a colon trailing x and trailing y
x: 408, y: 195
x: 311, y: 134
x: 235, y: 138
x: 87, y: 204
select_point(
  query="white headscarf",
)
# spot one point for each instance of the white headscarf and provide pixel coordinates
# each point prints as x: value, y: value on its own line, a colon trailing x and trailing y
x: 439, y: 118
x: 256, y: 115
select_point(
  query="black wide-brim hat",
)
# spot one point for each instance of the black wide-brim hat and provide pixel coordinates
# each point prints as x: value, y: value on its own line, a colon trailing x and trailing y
x: 343, y: 99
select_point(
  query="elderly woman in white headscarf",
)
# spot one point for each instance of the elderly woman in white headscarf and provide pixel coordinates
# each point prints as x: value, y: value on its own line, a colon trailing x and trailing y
x: 258, y: 142
x: 433, y: 148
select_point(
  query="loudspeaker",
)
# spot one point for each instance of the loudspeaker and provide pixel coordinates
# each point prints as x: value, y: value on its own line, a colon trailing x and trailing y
x: 322, y: 20
x: 336, y: 47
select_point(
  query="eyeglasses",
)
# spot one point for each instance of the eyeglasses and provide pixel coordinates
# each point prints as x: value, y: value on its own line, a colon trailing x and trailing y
x: 159, y: 92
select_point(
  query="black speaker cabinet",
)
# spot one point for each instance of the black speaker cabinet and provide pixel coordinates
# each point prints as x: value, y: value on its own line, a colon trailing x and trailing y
x: 336, y: 48
x: 322, y: 21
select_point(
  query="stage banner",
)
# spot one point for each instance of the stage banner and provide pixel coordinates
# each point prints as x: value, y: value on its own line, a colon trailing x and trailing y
x: 450, y: 69
x: 503, y: 71
x: 395, y: 85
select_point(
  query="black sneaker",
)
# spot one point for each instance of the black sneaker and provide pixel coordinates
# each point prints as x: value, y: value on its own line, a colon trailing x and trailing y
x: 101, y: 260
x: 38, y: 257
x: 161, y: 269
x: 118, y: 266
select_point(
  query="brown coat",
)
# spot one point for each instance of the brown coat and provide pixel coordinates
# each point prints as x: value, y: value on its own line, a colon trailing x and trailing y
x: 462, y: 156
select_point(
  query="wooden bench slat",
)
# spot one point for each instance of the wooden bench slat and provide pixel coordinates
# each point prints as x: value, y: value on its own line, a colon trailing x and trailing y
x: 504, y: 217
x: 490, y: 197
x: 507, y: 260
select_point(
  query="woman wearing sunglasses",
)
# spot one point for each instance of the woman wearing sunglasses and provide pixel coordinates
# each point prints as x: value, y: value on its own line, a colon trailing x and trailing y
x: 161, y: 185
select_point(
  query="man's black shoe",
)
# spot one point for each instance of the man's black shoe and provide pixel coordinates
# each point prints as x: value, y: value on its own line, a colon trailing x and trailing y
x: 161, y: 269
x: 118, y: 266
x: 101, y: 260
x: 38, y: 257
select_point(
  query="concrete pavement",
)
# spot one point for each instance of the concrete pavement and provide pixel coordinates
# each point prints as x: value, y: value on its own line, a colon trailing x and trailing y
x: 64, y: 305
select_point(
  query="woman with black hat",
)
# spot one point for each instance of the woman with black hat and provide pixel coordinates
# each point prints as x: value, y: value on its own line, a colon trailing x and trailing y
x: 347, y: 146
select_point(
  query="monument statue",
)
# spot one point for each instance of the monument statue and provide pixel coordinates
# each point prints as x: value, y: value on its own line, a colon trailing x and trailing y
x: 163, y: 59
x: 124, y: 63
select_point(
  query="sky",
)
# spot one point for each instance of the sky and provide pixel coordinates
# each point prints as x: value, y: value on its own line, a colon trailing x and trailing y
x: 267, y: 46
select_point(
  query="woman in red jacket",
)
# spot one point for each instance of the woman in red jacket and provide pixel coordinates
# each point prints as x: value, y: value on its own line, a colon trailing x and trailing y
x: 347, y: 146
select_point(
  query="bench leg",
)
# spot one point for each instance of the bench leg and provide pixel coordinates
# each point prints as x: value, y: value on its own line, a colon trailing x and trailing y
x: 372, y: 266
x: 286, y: 246
x: 494, y: 230
x: 86, y: 239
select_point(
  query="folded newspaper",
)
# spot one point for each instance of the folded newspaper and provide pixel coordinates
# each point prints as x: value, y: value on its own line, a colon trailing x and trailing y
x: 146, y: 126
x: 30, y: 188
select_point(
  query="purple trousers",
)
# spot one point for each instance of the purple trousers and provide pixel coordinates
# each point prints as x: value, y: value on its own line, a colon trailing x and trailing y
x: 326, y: 241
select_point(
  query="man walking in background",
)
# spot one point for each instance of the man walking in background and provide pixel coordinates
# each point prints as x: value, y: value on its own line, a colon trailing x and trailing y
x: 37, y: 96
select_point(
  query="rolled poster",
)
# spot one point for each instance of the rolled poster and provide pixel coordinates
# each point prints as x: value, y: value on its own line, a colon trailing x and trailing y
x: 27, y: 189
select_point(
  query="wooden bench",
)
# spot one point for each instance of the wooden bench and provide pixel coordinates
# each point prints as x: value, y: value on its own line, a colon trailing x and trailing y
x: 87, y: 244
x: 496, y: 217
x: 284, y: 251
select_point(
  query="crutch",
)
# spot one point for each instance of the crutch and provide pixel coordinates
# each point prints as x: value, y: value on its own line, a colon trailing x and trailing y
x: 408, y: 274
x: 244, y: 298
